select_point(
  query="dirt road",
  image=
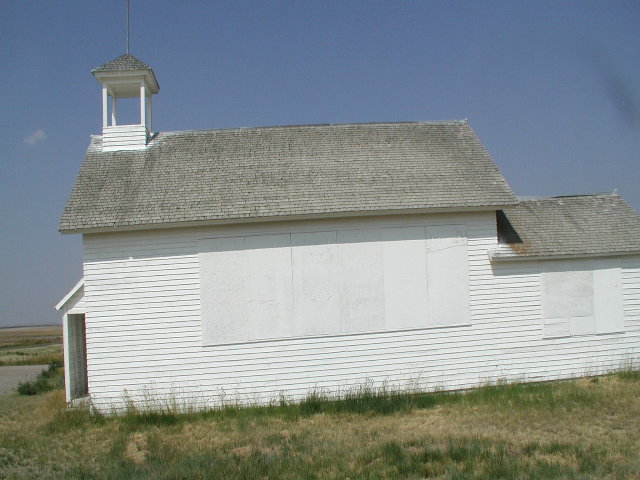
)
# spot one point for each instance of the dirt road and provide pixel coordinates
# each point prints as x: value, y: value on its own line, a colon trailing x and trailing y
x: 10, y: 377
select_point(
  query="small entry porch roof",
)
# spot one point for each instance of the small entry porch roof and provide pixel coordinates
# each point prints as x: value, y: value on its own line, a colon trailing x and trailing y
x: 73, y: 301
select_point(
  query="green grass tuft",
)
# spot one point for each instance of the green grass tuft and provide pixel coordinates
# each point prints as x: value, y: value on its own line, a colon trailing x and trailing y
x: 629, y: 375
x: 50, y: 379
x: 366, y: 400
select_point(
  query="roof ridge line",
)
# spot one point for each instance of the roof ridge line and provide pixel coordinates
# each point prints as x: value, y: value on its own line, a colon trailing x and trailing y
x: 525, y: 198
x: 313, y: 125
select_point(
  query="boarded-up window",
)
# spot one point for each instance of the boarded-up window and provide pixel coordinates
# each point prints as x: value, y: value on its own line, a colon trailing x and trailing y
x: 581, y: 297
x: 335, y: 282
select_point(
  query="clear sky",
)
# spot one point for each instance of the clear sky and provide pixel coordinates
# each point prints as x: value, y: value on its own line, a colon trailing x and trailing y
x: 551, y: 88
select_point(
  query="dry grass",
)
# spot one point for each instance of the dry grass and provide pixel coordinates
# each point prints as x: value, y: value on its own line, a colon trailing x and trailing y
x: 30, y: 335
x: 30, y: 345
x: 585, y: 429
x: 41, y: 355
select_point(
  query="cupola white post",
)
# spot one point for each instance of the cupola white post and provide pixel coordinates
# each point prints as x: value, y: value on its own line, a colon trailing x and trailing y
x: 126, y: 77
x: 143, y: 107
x: 105, y: 111
x: 113, y: 111
x: 149, y: 113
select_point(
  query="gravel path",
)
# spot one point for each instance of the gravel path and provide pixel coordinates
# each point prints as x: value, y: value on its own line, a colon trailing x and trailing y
x: 10, y: 377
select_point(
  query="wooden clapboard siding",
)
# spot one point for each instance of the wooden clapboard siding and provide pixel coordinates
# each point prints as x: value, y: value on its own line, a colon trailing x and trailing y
x: 124, y: 137
x: 144, y: 331
x: 631, y: 292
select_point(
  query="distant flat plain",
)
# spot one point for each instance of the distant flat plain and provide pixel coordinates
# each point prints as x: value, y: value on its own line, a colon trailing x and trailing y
x: 30, y: 335
x: 32, y: 345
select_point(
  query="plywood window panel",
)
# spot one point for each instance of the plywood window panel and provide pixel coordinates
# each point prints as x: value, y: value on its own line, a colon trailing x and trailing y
x: 268, y: 292
x: 222, y: 291
x: 404, y: 261
x: 447, y: 275
x: 361, y: 281
x: 608, y: 301
x: 581, y: 297
x: 316, y: 288
x: 305, y: 284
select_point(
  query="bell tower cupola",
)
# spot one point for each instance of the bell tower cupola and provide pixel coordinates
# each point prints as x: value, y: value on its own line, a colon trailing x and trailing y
x: 126, y: 77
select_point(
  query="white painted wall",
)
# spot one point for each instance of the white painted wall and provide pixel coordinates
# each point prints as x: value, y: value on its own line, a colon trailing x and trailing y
x: 73, y: 302
x: 145, y: 334
x: 631, y: 292
x: 124, y: 137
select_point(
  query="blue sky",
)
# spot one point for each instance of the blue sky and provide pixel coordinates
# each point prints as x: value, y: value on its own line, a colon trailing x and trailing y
x: 551, y: 88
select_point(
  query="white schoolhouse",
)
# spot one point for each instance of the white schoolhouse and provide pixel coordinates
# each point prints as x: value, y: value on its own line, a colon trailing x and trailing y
x: 247, y: 264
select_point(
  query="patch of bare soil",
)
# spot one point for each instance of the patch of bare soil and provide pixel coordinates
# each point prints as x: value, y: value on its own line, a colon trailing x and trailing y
x: 10, y: 377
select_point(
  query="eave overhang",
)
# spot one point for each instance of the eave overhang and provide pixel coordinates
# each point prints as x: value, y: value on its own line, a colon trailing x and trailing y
x: 281, y: 218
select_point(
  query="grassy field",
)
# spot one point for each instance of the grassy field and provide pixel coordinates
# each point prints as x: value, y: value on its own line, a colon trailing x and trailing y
x: 30, y: 345
x: 583, y: 429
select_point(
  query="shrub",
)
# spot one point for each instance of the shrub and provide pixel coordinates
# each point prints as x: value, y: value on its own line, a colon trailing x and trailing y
x: 49, y: 379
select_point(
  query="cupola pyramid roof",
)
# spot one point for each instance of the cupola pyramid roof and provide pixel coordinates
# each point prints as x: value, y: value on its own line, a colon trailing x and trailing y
x: 122, y: 63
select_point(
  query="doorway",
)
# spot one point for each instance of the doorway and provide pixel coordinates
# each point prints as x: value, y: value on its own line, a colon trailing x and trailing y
x: 78, y: 378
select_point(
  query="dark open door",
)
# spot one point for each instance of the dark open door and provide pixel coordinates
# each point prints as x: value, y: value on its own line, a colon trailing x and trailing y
x: 79, y: 384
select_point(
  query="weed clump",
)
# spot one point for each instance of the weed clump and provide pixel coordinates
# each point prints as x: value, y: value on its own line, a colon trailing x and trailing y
x: 629, y: 375
x: 49, y: 379
x: 368, y: 400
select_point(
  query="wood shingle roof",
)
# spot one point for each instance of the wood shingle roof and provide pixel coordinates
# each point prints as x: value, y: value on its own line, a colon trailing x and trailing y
x: 249, y: 174
x: 582, y: 225
x: 123, y: 63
